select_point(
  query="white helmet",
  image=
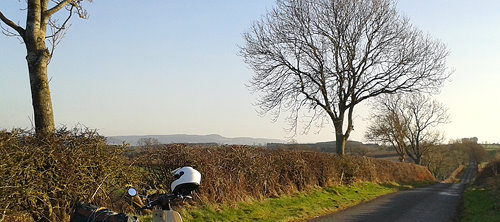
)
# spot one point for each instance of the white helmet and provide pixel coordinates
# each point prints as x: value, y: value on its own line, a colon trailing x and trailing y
x: 187, y: 180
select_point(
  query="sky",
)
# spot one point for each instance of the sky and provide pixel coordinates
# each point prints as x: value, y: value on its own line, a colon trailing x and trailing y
x: 172, y: 67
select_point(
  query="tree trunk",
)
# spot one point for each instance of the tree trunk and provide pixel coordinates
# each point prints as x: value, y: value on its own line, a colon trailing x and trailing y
x: 418, y: 160
x: 38, y: 57
x: 415, y: 157
x: 40, y: 94
x: 340, y: 144
x: 340, y: 139
x: 402, y: 158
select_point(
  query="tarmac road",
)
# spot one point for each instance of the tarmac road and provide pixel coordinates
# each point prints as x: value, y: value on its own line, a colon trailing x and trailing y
x: 439, y: 202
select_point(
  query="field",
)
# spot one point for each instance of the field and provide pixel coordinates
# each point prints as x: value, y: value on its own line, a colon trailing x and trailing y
x: 482, y: 199
x: 491, y: 146
x: 493, y: 150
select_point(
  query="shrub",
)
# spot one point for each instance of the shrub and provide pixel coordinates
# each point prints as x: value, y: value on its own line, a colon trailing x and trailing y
x: 44, y: 176
x: 490, y: 175
x: 235, y: 173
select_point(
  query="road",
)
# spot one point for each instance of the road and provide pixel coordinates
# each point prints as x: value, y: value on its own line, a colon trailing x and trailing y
x: 439, y: 202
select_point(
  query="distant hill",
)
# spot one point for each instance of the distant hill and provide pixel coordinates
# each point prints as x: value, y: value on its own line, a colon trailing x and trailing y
x: 184, y: 138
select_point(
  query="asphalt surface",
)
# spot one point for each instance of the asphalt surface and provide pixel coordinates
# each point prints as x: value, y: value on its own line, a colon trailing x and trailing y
x: 439, y: 202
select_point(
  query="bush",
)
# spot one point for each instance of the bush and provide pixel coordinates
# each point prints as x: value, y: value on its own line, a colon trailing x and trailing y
x: 490, y: 175
x: 45, y: 176
x: 235, y: 173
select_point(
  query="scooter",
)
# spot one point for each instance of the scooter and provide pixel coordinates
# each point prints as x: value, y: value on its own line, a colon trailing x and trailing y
x: 187, y: 180
x: 162, y: 211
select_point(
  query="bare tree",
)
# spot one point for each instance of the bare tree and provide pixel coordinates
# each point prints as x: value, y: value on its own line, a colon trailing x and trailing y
x: 408, y: 123
x: 389, y: 125
x: 42, y: 30
x: 148, y: 142
x: 326, y: 56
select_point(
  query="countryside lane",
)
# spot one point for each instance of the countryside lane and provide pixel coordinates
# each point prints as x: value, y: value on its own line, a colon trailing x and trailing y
x: 439, y: 202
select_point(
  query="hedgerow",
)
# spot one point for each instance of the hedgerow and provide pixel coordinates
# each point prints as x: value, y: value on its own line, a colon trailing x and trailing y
x: 44, y: 176
x: 235, y: 173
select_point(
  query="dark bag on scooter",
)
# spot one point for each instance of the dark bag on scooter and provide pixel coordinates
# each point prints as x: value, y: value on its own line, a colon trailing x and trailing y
x: 92, y: 213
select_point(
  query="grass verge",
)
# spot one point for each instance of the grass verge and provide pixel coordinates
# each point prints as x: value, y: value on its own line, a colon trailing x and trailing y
x: 481, y: 205
x: 297, y: 207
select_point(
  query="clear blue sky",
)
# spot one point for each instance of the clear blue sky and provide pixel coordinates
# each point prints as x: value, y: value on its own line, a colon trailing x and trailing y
x: 171, y: 66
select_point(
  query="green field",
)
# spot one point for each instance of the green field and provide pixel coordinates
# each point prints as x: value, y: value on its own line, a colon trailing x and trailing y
x: 491, y: 146
x: 481, y: 200
x: 481, y: 205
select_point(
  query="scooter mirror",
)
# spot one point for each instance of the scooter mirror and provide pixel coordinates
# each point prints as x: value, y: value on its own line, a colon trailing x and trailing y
x: 132, y: 192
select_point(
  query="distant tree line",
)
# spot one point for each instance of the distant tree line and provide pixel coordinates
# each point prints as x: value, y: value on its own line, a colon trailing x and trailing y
x: 352, y: 147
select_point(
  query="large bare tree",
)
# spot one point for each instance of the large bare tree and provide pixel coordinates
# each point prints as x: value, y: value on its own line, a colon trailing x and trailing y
x: 408, y: 123
x: 40, y: 35
x: 323, y: 57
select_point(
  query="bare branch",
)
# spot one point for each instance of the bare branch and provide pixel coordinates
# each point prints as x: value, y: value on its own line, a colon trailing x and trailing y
x: 334, y: 54
x: 13, y: 25
x: 57, y: 7
x: 407, y: 122
x: 8, y: 32
x: 57, y: 31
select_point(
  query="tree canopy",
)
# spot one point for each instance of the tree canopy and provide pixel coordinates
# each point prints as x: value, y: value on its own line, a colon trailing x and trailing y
x: 408, y: 123
x: 327, y: 56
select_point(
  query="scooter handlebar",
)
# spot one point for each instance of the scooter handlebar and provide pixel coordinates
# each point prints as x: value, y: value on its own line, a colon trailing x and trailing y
x: 163, y: 201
